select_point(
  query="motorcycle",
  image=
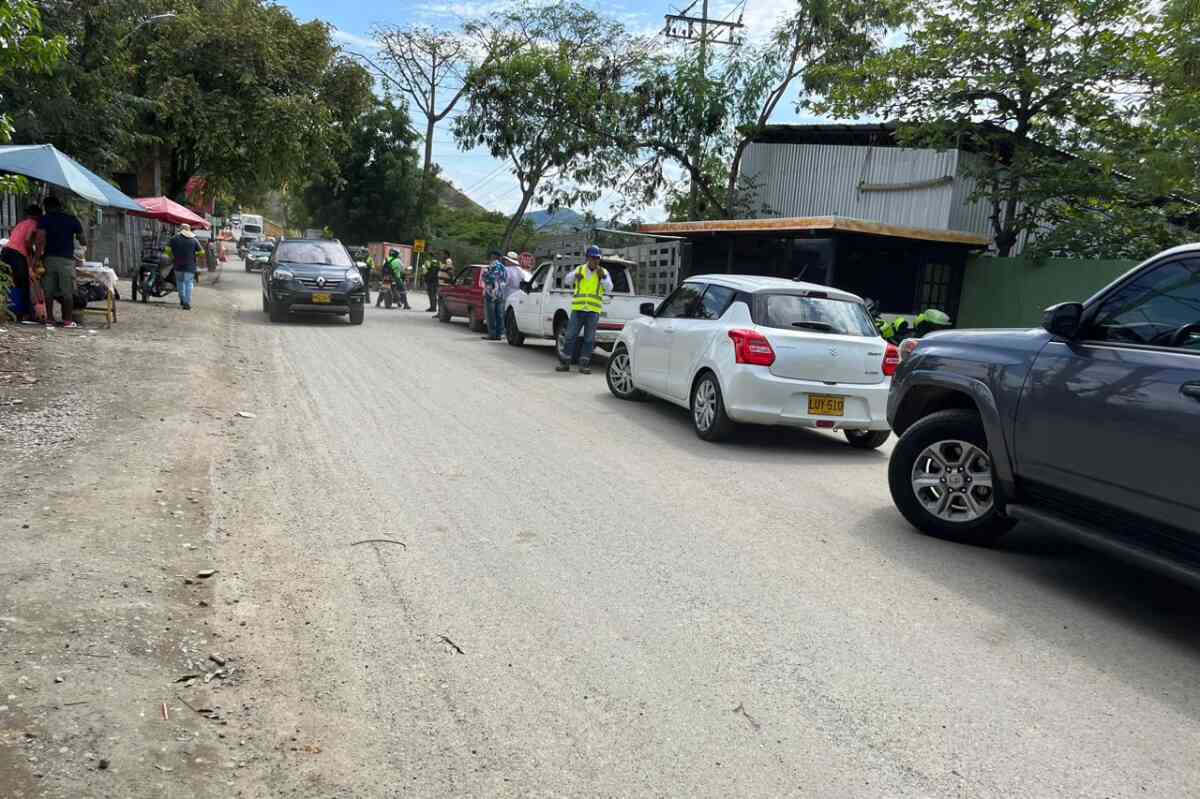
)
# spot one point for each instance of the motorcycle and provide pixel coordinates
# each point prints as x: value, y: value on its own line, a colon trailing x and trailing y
x: 156, y: 278
x: 392, y: 292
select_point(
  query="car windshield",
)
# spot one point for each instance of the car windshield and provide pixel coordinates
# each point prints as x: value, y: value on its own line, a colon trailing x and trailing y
x: 818, y: 314
x: 263, y: 247
x: 252, y: 228
x: 327, y: 253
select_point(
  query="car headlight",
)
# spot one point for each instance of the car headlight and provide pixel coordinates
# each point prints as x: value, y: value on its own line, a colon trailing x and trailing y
x: 282, y: 275
x: 354, y: 277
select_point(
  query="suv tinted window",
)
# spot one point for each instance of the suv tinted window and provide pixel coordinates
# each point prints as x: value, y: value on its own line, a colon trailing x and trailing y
x: 820, y: 314
x: 681, y: 303
x: 1154, y: 308
x: 716, y: 299
x: 327, y: 253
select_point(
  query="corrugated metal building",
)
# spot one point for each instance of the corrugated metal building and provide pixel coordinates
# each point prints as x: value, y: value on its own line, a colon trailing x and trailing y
x: 858, y: 171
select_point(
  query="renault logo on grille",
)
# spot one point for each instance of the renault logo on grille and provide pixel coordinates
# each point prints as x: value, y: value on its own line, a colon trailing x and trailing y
x: 321, y: 281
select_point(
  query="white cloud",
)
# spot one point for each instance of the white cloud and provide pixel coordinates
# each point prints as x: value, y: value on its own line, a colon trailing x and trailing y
x: 354, y: 40
x: 459, y: 10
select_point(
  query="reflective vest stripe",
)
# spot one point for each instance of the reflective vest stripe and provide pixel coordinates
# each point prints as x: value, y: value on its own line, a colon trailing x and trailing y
x: 589, y: 292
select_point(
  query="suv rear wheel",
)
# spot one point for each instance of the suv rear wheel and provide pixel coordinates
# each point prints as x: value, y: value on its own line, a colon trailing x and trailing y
x: 941, y: 479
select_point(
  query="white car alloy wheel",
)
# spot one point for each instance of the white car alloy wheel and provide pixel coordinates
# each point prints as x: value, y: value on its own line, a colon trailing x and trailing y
x: 621, y: 374
x: 704, y: 405
x: 953, y: 481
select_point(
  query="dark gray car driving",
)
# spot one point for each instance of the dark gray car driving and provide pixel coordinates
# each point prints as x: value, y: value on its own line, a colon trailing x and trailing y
x: 312, y: 276
x: 1089, y: 425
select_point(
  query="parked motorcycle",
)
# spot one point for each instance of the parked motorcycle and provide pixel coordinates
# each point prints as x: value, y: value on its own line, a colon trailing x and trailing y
x: 156, y: 278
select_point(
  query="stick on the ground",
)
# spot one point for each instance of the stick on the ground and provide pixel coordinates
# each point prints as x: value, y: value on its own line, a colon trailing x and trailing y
x: 379, y: 541
x: 457, y: 648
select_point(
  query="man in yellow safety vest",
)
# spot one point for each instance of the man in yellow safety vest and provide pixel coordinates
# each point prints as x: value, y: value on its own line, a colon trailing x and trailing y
x: 591, y: 281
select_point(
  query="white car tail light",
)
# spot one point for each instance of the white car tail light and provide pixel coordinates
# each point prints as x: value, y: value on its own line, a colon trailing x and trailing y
x: 752, y: 347
x: 891, y: 359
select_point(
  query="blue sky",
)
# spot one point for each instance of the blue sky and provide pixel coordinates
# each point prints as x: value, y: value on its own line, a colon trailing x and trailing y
x: 482, y: 177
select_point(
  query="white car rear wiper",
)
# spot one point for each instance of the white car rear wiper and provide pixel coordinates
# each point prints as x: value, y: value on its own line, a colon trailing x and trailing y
x: 824, y: 327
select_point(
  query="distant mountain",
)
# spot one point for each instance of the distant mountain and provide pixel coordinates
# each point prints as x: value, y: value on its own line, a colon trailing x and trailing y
x: 549, y: 220
x: 449, y: 196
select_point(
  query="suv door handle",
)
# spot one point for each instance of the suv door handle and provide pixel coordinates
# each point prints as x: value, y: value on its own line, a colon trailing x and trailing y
x: 1190, y: 390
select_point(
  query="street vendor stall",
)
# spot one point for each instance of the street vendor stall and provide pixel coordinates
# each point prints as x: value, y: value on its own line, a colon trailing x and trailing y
x: 45, y: 163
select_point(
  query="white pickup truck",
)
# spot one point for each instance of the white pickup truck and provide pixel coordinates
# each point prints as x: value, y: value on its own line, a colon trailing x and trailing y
x: 542, y: 306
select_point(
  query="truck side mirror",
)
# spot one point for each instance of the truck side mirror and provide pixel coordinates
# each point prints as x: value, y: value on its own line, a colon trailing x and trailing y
x: 646, y: 309
x: 1063, y: 320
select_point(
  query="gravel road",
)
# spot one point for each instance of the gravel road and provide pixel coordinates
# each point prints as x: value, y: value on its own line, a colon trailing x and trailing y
x: 587, y: 600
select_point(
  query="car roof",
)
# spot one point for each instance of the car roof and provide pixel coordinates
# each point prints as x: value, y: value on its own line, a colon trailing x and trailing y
x: 761, y: 284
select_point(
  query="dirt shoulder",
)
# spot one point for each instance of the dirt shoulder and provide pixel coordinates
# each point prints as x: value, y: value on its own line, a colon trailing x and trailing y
x: 113, y: 669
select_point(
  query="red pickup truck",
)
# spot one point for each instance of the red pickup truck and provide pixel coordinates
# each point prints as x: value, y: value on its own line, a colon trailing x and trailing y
x: 464, y: 297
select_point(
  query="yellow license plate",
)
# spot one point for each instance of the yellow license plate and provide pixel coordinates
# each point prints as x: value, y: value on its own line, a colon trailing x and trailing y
x: 819, y: 405
x: 322, y: 298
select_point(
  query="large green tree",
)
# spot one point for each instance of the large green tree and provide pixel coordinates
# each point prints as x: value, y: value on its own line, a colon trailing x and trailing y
x: 1031, y: 86
x: 376, y: 195
x: 90, y: 105
x: 26, y: 50
x: 250, y: 98
x: 236, y: 91
x: 522, y: 102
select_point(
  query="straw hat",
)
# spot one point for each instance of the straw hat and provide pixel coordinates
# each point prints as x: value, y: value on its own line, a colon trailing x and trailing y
x: 186, y: 230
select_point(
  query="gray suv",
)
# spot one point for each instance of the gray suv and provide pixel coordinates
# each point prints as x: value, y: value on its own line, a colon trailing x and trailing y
x: 1089, y: 425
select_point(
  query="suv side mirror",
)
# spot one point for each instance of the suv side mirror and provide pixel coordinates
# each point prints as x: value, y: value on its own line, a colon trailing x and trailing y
x: 1063, y: 320
x: 526, y: 287
x: 646, y: 309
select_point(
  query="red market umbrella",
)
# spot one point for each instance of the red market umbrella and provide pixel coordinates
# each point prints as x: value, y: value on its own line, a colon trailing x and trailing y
x: 165, y: 210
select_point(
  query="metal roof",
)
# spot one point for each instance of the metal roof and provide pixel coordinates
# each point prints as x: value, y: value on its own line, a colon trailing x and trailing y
x: 801, y: 224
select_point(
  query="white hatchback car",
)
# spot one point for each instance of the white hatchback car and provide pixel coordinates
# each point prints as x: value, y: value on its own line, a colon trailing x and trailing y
x: 760, y: 350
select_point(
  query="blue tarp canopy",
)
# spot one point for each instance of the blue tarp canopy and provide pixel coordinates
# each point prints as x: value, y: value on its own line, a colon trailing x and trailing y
x: 46, y: 163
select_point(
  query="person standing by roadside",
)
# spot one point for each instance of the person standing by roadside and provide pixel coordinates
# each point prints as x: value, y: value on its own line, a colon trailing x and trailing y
x: 56, y: 234
x: 18, y: 254
x: 430, y: 277
x: 591, y: 282
x: 495, y: 287
x: 184, y: 249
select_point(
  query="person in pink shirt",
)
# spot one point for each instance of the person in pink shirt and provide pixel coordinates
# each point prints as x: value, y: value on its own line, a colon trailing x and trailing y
x: 20, y: 256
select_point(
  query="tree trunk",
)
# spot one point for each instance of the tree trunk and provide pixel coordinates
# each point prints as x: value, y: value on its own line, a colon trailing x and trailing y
x: 731, y: 188
x: 515, y: 221
x: 424, y: 202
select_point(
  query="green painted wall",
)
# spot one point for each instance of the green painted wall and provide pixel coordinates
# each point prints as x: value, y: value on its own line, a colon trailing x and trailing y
x: 1013, y: 292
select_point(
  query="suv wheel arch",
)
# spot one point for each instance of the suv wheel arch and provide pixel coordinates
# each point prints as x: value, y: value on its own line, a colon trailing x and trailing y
x: 942, y: 391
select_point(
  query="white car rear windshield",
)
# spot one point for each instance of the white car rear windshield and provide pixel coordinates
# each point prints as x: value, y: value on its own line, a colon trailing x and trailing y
x: 818, y: 314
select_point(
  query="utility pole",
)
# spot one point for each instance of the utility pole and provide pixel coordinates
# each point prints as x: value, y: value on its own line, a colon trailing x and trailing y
x: 702, y: 29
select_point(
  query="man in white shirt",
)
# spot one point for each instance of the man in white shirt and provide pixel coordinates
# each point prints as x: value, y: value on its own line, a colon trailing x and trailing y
x: 591, y: 282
